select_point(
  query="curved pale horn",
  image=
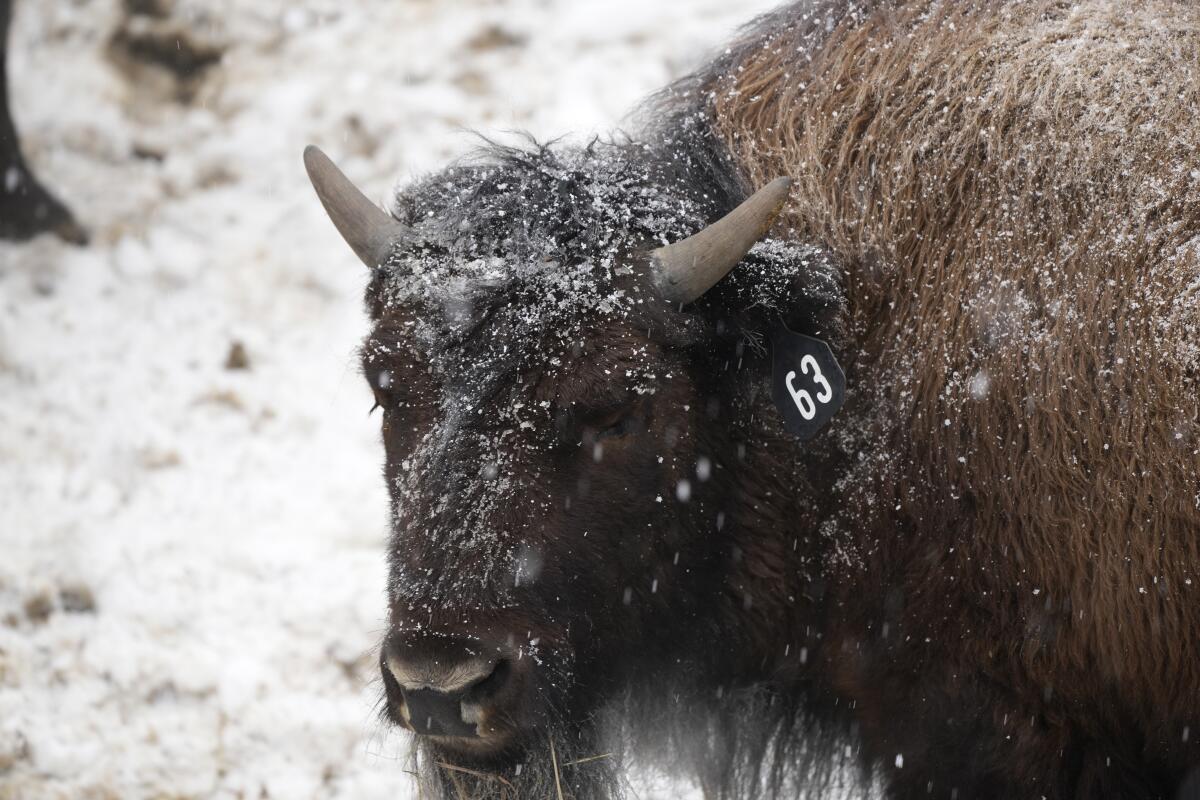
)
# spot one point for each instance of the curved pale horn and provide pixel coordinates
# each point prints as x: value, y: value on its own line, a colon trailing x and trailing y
x: 368, y: 230
x: 685, y: 270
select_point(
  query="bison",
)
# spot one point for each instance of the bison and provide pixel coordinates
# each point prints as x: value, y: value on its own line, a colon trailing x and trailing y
x: 613, y: 535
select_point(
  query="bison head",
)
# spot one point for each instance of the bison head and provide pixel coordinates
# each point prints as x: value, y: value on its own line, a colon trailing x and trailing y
x: 558, y: 421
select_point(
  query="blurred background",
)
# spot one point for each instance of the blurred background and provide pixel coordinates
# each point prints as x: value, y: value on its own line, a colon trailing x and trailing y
x: 192, y: 519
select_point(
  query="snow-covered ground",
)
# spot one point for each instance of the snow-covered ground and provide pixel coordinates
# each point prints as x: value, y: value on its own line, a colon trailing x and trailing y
x: 191, y: 556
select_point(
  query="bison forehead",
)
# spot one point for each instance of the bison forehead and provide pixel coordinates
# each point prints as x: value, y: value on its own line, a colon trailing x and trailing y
x: 479, y: 319
x: 538, y: 236
x: 560, y: 203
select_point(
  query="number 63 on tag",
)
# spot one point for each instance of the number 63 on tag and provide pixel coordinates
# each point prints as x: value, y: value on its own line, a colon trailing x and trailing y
x: 804, y: 400
x: 807, y: 383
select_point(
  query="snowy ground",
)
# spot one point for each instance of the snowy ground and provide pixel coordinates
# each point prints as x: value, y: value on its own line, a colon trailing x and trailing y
x: 191, y: 556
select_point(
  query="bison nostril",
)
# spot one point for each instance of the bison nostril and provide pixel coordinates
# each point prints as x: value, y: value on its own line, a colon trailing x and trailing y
x: 433, y: 713
x: 491, y: 684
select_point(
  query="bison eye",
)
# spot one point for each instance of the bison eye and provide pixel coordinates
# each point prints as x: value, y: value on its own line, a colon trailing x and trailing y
x: 621, y: 428
x: 612, y: 422
x: 382, y: 387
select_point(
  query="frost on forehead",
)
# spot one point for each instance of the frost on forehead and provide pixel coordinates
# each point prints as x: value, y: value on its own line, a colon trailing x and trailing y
x: 537, y: 232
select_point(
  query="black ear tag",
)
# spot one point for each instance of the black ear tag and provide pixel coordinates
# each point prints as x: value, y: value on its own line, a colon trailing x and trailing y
x: 807, y: 383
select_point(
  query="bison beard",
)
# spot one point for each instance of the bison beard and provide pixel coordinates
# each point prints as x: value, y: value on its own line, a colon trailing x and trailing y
x: 569, y: 761
x: 978, y: 582
x: 743, y: 742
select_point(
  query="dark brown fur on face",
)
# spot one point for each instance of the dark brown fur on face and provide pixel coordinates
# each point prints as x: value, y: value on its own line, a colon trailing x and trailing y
x: 982, y: 578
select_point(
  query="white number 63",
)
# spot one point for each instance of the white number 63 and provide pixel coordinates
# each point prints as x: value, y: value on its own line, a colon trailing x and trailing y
x: 801, y: 397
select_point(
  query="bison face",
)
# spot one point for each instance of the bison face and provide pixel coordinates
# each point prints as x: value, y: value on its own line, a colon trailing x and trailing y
x: 552, y: 437
x: 545, y: 518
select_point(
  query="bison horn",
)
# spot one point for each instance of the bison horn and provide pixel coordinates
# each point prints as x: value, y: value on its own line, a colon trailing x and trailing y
x: 368, y: 230
x: 685, y: 270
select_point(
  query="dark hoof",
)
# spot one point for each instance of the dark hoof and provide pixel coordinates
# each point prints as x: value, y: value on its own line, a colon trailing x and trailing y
x: 72, y: 232
x: 28, y: 209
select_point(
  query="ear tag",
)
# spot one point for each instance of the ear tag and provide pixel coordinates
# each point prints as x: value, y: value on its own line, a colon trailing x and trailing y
x: 807, y: 383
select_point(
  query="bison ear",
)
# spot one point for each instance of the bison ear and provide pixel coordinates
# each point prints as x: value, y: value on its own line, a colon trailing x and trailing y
x: 815, y: 303
x: 794, y: 282
x: 369, y: 231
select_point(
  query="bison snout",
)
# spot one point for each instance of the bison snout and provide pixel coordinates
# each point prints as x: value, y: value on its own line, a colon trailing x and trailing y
x: 447, y: 688
x: 437, y: 695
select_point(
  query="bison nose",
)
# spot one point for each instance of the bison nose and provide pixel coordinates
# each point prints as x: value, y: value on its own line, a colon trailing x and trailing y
x: 441, y: 690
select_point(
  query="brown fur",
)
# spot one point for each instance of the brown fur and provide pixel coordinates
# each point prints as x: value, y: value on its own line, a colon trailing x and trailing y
x: 1015, y: 188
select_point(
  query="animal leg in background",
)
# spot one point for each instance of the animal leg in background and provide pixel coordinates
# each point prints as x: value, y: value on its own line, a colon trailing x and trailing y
x: 26, y: 207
